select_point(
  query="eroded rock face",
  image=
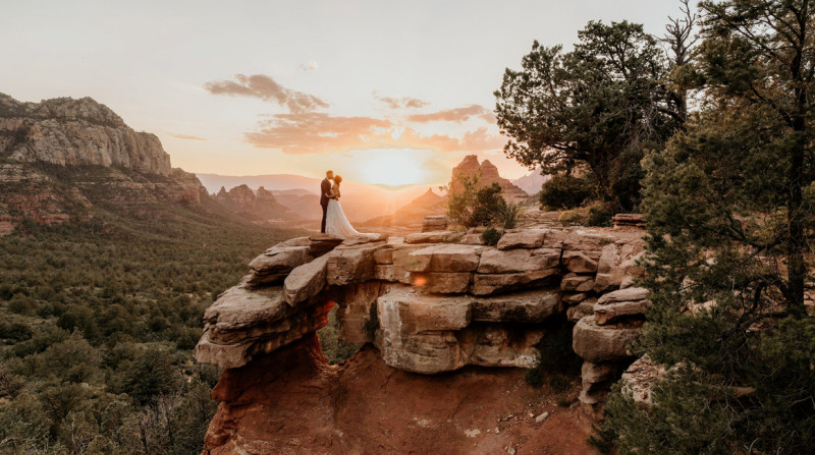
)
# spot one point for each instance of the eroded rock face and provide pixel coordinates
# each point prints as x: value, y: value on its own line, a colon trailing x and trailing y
x: 432, y: 304
x: 244, y: 322
x: 65, y: 131
x: 596, y: 343
x: 426, y: 333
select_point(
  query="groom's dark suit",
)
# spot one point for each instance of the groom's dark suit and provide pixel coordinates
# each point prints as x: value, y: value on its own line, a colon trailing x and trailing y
x: 325, y: 187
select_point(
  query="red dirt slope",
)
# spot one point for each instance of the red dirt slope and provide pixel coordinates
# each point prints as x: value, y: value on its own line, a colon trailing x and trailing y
x: 292, y: 402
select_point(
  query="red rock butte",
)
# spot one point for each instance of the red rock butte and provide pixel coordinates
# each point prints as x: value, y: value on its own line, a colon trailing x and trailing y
x: 486, y: 173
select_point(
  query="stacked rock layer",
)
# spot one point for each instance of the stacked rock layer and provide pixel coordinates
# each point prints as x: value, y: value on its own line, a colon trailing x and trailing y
x: 437, y: 301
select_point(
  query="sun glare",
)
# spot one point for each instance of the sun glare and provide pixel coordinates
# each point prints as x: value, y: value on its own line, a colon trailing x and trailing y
x: 393, y: 169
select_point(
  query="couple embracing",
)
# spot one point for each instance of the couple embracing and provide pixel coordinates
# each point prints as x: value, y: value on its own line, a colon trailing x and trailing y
x: 334, y: 223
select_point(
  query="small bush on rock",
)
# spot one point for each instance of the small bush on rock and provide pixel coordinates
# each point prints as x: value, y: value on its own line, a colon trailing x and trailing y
x: 473, y: 205
x: 491, y: 236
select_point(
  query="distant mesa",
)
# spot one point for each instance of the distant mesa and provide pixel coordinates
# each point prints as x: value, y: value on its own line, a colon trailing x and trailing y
x: 486, y: 173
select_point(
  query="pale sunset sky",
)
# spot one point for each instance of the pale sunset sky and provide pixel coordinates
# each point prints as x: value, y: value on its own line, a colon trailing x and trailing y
x: 380, y: 91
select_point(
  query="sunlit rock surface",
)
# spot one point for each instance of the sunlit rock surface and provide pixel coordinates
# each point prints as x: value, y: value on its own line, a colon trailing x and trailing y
x: 431, y: 304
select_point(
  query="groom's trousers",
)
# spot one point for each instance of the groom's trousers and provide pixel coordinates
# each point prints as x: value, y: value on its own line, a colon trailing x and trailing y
x: 325, y: 212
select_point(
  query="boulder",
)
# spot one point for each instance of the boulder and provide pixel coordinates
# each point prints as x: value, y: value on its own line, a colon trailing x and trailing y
x: 519, y: 260
x: 621, y: 304
x: 574, y: 298
x: 352, y: 264
x: 437, y: 352
x: 443, y: 283
x: 297, y: 241
x: 272, y: 266
x: 526, y: 307
x: 245, y: 321
x: 488, y: 284
x: 530, y: 238
x: 365, y: 238
x: 444, y: 258
x: 434, y: 237
x: 589, y: 242
x: 321, y: 244
x: 598, y: 373
x: 597, y: 344
x: 434, y: 223
x: 385, y: 273
x: 499, y: 346
x: 240, y: 308
x: 636, y: 220
x: 261, y: 340
x: 408, y: 311
x: 306, y: 281
x: 384, y: 256
x: 399, y: 257
x: 624, y: 295
x: 618, y: 263
x: 427, y: 353
x: 577, y: 283
x: 581, y: 310
x: 578, y: 262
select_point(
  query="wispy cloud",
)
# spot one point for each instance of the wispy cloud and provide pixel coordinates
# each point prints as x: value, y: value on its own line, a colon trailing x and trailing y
x: 315, y: 133
x: 458, y: 115
x: 189, y: 138
x: 265, y: 88
x: 401, y: 103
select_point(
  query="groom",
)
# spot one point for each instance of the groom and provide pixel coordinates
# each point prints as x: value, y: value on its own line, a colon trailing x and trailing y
x: 325, y: 189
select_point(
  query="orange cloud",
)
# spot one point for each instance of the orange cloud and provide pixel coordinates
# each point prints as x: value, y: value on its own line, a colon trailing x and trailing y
x: 314, y: 133
x: 403, y: 102
x: 264, y: 87
x: 458, y: 115
x: 189, y: 138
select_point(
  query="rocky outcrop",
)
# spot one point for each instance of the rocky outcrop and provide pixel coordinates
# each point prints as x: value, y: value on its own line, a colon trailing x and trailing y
x: 602, y: 340
x: 65, y: 131
x: 430, y: 303
x: 434, y: 223
x: 260, y: 206
x: 487, y: 174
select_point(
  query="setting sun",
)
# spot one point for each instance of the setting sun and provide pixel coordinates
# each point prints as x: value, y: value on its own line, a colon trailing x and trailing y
x: 394, y: 168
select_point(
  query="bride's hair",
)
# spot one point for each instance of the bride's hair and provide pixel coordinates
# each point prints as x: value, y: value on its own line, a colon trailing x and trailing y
x: 337, y: 179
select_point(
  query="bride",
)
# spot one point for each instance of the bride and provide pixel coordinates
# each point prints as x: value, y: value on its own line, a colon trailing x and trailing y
x: 336, y: 224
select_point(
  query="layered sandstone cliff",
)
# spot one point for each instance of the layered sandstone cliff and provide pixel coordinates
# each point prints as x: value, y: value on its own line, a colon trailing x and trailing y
x: 66, y: 131
x: 429, y: 303
x: 61, y: 157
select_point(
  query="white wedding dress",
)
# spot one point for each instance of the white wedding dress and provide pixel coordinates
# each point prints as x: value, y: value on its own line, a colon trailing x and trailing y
x: 338, y: 226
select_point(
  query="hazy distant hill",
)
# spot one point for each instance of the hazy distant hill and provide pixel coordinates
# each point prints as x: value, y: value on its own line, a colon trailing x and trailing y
x: 413, y: 213
x: 260, y: 205
x: 360, y: 201
x: 532, y: 182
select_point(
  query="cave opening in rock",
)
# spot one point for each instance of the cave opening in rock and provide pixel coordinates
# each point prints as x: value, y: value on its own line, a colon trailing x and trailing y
x: 334, y: 348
